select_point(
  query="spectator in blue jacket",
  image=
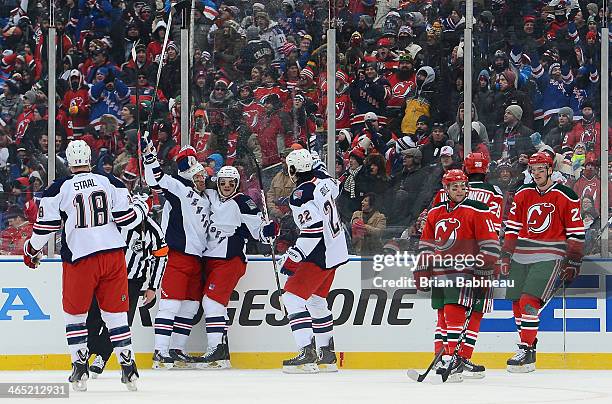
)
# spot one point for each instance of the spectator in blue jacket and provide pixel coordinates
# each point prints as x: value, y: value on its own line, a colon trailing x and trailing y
x: 107, y: 96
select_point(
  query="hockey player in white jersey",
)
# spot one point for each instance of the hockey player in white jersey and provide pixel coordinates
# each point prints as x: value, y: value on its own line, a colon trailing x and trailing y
x: 185, y: 217
x: 233, y: 218
x: 311, y: 263
x: 90, y: 207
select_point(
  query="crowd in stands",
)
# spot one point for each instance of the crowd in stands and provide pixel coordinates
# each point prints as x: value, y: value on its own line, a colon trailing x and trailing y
x: 258, y: 89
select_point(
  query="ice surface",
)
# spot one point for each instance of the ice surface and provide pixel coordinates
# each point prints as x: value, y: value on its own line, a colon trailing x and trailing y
x: 347, y: 386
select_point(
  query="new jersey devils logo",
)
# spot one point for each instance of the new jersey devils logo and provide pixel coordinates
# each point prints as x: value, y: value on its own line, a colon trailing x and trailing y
x: 446, y: 233
x: 402, y: 89
x: 539, y: 217
x: 340, y: 110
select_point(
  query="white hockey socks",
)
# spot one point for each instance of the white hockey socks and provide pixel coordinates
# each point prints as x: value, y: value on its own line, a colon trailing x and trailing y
x: 120, y: 335
x: 76, y: 334
x: 299, y: 319
x: 183, y: 323
x: 322, y: 320
x: 216, y: 321
x: 164, y: 323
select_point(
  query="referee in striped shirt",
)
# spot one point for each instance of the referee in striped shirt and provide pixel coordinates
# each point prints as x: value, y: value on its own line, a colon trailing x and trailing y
x: 146, y: 257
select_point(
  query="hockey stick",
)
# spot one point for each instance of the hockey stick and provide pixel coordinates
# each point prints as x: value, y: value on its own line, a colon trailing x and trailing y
x: 599, y: 235
x: 267, y: 218
x: 414, y: 375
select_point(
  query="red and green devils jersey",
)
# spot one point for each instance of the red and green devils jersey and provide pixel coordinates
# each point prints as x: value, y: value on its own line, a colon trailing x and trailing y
x: 483, y: 192
x: 459, y: 230
x: 544, y: 226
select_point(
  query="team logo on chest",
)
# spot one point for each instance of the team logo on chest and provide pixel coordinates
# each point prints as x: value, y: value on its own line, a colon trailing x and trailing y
x: 446, y: 233
x: 539, y: 217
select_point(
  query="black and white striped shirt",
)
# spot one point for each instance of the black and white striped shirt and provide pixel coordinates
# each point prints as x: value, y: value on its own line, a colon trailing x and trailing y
x: 146, y: 258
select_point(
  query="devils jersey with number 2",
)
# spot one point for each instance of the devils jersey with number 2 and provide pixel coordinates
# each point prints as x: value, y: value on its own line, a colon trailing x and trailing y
x: 460, y: 230
x: 321, y: 240
x: 483, y: 192
x: 544, y: 226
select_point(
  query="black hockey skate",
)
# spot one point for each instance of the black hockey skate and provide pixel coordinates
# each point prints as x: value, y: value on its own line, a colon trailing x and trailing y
x: 304, y: 362
x: 215, y: 358
x: 129, y: 372
x: 182, y: 360
x: 472, y: 370
x: 80, y: 371
x: 161, y: 361
x: 327, y: 361
x: 523, y: 360
x: 97, y: 367
x: 455, y: 373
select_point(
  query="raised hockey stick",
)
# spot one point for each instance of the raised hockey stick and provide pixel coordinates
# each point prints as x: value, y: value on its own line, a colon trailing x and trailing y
x: 267, y: 218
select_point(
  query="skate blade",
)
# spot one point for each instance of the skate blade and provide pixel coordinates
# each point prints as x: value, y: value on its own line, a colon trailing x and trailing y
x: 162, y: 366
x: 94, y: 375
x: 455, y: 378
x: 328, y: 367
x: 521, y: 369
x: 80, y: 385
x: 217, y: 365
x: 308, y: 368
x: 180, y: 365
x: 473, y: 375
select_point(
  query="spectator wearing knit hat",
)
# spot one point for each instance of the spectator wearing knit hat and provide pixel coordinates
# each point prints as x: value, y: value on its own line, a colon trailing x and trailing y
x: 553, y: 85
x: 588, y: 131
x: 254, y: 52
x: 513, y: 137
x: 228, y: 44
x: 270, y: 32
x: 170, y: 79
x: 506, y: 94
x: 353, y: 185
x: 557, y: 135
x: 108, y: 95
x: 10, y: 102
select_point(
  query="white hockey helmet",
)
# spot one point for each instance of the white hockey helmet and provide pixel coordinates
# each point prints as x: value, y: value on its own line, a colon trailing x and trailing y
x: 299, y: 161
x: 231, y: 173
x: 78, y: 153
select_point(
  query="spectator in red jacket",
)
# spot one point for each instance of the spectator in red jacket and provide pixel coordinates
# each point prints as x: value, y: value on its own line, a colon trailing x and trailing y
x: 76, y: 102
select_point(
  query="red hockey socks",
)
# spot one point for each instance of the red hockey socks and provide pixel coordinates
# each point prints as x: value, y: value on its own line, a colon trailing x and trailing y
x: 471, y: 335
x: 518, y: 316
x: 530, y: 321
x: 454, y: 315
x: 440, y: 335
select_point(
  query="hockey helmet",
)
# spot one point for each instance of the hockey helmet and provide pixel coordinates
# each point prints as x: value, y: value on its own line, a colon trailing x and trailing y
x: 476, y: 163
x: 187, y: 163
x: 231, y: 173
x: 78, y: 153
x: 541, y: 158
x: 454, y: 175
x: 299, y: 161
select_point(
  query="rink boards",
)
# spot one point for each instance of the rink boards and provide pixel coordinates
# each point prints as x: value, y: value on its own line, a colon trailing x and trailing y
x: 375, y: 328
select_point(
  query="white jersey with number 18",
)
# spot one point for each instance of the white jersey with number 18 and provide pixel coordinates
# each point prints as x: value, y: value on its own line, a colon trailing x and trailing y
x: 322, y: 240
x: 90, y: 206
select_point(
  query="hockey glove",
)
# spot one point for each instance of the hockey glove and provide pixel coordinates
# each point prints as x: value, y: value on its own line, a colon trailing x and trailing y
x: 289, y: 262
x: 140, y: 201
x: 270, y: 230
x: 422, y: 275
x: 570, y: 269
x: 31, y: 257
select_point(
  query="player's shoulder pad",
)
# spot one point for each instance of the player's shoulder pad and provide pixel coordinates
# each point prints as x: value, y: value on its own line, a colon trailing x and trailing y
x: 567, y: 191
x: 302, y: 194
x: 438, y: 205
x: 476, y: 205
x: 54, y: 189
x: 116, y: 182
x: 245, y: 204
x: 183, y: 181
x: 525, y: 187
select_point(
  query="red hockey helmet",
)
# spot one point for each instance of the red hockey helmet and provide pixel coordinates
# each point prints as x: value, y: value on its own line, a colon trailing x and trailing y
x: 541, y: 158
x: 476, y: 163
x: 454, y: 175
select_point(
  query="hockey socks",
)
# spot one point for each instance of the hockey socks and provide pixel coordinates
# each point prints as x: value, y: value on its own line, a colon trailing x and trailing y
x: 76, y: 334
x: 183, y: 323
x: 454, y: 315
x: 322, y: 320
x: 516, y: 310
x: 471, y: 335
x: 216, y: 321
x: 530, y: 321
x: 120, y: 335
x: 299, y: 319
x: 440, y: 334
x: 164, y: 323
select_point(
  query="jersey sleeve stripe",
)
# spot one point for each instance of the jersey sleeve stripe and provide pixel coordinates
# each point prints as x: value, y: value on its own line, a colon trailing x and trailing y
x: 124, y: 217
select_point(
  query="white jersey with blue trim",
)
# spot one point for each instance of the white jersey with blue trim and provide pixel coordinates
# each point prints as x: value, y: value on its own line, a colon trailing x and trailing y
x: 90, y: 206
x: 322, y: 240
x: 232, y: 221
x: 185, y: 214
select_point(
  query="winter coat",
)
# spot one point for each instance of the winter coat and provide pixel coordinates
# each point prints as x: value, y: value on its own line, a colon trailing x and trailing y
x: 515, y: 141
x: 423, y: 102
x: 371, y: 242
x: 107, y: 102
